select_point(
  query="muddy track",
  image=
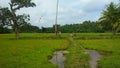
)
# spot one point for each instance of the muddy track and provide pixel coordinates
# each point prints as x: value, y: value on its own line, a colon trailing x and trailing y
x: 95, y: 56
x: 59, y: 58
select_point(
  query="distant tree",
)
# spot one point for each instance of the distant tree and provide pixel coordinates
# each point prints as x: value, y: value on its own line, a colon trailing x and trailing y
x: 90, y: 26
x: 43, y: 29
x: 14, y: 6
x: 86, y: 27
x: 4, y: 30
x: 111, y: 17
x: 28, y: 28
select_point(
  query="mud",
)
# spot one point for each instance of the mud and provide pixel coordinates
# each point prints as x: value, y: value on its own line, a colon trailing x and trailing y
x: 59, y: 58
x: 95, y: 56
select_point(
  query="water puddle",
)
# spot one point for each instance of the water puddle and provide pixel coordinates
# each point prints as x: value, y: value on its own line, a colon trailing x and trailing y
x: 95, y: 56
x: 59, y: 58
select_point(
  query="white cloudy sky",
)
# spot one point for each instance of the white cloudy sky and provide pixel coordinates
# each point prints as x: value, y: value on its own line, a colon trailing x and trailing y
x: 70, y: 11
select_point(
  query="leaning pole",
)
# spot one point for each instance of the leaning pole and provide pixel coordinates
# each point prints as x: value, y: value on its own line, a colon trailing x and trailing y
x: 56, y: 20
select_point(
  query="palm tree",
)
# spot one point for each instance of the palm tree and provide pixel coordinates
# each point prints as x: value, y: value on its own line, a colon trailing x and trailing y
x: 111, y: 15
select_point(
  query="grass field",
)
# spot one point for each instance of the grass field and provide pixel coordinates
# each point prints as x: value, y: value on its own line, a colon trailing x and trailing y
x: 109, y: 48
x: 33, y: 53
x: 34, y: 50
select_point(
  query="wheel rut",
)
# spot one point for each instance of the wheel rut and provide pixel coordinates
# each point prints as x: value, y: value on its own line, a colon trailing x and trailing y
x: 95, y: 56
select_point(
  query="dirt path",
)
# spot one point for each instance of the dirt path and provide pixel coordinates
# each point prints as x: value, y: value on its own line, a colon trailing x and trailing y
x: 59, y: 58
x: 95, y: 56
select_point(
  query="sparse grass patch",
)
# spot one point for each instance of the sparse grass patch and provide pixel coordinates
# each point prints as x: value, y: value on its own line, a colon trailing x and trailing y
x: 76, y: 58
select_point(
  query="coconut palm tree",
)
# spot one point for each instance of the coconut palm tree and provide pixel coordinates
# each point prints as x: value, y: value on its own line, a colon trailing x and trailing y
x: 112, y: 16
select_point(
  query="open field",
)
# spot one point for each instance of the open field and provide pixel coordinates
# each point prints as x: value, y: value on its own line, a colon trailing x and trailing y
x: 34, y: 50
x: 31, y: 51
x: 28, y: 53
x: 83, y: 36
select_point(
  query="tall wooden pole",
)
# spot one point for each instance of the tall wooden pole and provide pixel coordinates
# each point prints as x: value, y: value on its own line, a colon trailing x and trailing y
x: 56, y: 20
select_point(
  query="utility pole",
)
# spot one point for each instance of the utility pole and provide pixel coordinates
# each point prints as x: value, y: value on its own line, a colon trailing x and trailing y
x: 56, y: 20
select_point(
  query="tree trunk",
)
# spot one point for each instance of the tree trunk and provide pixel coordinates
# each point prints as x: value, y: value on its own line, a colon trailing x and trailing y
x: 14, y: 19
x: 113, y: 31
x: 16, y: 29
x: 17, y: 33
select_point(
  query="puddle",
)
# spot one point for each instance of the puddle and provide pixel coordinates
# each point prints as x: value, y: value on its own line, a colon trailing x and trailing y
x: 95, y: 56
x: 59, y: 58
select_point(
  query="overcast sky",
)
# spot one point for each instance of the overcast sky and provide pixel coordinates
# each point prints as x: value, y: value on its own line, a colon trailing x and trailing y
x: 70, y: 11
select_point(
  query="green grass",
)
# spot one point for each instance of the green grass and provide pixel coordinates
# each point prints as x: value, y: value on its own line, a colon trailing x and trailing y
x: 28, y: 53
x: 33, y: 50
x: 109, y: 45
x: 76, y: 58
x: 84, y: 36
x: 110, y: 48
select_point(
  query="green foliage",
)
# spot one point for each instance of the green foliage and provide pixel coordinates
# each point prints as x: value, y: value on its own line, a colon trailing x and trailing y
x: 21, y: 3
x: 85, y: 27
x: 28, y: 28
x: 4, y: 30
x: 22, y: 19
x: 111, y: 18
x: 5, y: 16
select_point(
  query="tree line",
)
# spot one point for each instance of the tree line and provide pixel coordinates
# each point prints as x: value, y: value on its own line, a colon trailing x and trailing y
x: 85, y: 27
